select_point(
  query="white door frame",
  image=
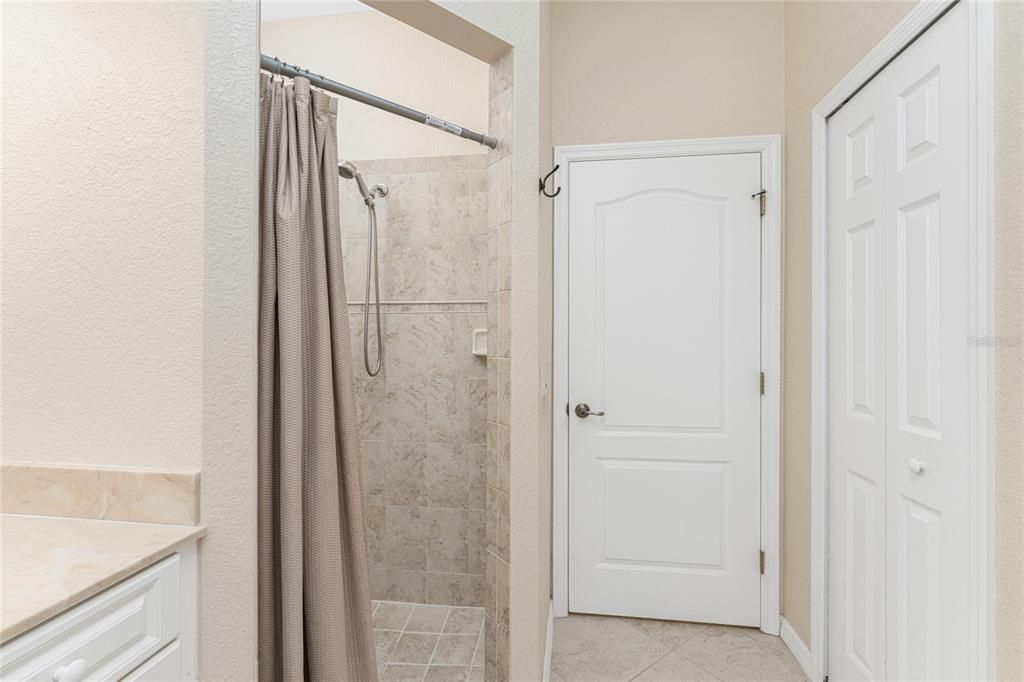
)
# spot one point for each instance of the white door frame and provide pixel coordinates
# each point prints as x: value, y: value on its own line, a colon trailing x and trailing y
x: 770, y: 149
x: 982, y: 379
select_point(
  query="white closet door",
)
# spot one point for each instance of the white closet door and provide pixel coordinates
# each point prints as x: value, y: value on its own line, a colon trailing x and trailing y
x: 857, y: 293
x: 927, y: 444
x: 899, y: 572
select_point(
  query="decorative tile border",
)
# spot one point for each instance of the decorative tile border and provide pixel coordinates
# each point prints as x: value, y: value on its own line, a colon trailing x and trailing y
x: 423, y: 164
x: 100, y: 493
x: 424, y: 306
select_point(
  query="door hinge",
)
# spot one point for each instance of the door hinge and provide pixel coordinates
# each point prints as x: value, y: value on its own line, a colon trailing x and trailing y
x: 567, y: 409
x: 760, y: 196
x: 762, y: 383
x: 762, y: 562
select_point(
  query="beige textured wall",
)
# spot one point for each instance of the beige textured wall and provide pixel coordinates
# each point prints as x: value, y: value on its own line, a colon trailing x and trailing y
x: 545, y: 331
x: 1009, y: 88
x: 378, y: 54
x: 103, y: 233
x: 628, y: 71
x: 227, y: 559
x: 824, y: 40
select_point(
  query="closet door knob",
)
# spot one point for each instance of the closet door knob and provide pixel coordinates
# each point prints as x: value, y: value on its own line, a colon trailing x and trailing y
x: 915, y: 465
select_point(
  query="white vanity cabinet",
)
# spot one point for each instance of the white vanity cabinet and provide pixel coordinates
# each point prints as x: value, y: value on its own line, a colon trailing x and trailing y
x: 141, y: 628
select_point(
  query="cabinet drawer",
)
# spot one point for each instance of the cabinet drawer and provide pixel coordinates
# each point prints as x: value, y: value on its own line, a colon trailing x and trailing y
x: 112, y: 632
x: 166, y: 666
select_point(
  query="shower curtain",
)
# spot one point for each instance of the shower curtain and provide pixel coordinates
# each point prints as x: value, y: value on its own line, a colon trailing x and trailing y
x: 314, y: 601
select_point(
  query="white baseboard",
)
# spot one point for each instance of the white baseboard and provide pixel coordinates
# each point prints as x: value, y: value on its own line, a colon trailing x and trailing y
x: 796, y: 646
x: 549, y: 642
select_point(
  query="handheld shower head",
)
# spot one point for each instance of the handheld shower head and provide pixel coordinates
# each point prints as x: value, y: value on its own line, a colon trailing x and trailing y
x: 347, y: 170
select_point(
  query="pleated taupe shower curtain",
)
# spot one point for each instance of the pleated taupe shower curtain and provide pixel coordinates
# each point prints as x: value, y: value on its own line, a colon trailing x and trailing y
x: 314, y: 598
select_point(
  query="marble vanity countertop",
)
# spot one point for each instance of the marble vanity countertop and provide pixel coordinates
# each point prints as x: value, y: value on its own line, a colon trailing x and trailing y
x: 48, y: 564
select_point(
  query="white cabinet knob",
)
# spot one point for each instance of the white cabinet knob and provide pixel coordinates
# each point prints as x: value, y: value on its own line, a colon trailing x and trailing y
x: 915, y: 465
x: 72, y: 672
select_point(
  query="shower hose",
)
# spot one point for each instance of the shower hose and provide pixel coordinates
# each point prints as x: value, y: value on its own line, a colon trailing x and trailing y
x: 372, y: 270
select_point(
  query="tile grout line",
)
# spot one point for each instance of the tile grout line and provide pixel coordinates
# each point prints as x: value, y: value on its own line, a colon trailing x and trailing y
x: 438, y: 642
x: 653, y: 663
x: 637, y: 628
x: 401, y: 632
x: 754, y: 636
x: 400, y: 635
x: 653, y: 639
x: 703, y: 628
x: 766, y: 644
x: 430, y: 662
x: 391, y: 650
x: 407, y: 618
x: 670, y: 649
x: 413, y: 605
x: 695, y: 664
x: 476, y: 647
x: 678, y: 650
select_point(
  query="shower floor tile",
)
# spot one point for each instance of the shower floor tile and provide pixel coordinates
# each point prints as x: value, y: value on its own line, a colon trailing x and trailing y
x: 428, y: 642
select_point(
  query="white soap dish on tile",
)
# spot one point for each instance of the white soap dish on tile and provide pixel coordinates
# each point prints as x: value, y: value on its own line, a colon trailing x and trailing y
x: 480, y: 343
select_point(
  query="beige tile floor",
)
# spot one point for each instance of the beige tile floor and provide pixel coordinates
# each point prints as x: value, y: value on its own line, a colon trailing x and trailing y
x: 608, y: 649
x: 428, y: 643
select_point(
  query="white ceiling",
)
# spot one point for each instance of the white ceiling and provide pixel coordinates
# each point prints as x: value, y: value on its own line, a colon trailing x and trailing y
x: 276, y: 10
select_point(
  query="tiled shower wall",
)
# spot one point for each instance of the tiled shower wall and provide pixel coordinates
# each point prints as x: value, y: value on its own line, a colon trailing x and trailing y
x: 499, y: 371
x: 423, y: 419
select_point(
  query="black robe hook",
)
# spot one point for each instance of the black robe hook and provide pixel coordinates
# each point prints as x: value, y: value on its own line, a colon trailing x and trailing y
x: 544, y: 184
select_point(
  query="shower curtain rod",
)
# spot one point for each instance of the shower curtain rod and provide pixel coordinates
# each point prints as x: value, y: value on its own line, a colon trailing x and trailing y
x: 275, y: 65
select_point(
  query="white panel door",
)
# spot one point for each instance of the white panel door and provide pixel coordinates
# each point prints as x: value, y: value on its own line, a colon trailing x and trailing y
x: 899, y: 546
x: 927, y: 446
x: 857, y: 144
x: 664, y: 340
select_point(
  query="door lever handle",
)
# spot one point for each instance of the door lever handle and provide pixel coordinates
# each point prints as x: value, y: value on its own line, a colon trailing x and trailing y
x: 583, y: 411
